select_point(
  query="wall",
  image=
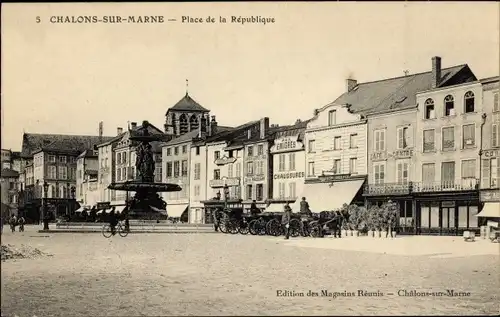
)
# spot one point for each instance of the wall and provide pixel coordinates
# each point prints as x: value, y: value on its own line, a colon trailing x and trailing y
x: 288, y: 176
x: 491, y: 151
x: 324, y: 154
x: 258, y: 176
x: 198, y: 187
x: 392, y: 154
x: 169, y: 157
x: 458, y: 120
x: 105, y: 176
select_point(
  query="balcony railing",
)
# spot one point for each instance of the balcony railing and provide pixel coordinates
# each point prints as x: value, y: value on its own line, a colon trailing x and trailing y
x: 214, y: 183
x: 387, y: 189
x: 420, y: 187
x: 456, y: 185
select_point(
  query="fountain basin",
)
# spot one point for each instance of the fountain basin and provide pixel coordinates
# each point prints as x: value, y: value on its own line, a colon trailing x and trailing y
x: 142, y: 186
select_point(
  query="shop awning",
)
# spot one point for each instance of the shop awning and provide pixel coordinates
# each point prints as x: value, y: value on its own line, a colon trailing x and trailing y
x: 328, y: 196
x: 175, y: 211
x: 491, y: 209
x: 119, y: 209
x: 81, y: 209
x: 275, y: 208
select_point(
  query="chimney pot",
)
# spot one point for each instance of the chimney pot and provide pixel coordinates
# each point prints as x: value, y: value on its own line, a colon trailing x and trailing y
x: 436, y: 71
x: 264, y: 127
x: 119, y: 130
x: 351, y: 83
x: 213, y: 126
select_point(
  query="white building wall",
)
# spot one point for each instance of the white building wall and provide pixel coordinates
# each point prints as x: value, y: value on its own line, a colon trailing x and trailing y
x: 288, y: 176
x: 105, y: 175
x: 197, y: 187
x: 323, y: 135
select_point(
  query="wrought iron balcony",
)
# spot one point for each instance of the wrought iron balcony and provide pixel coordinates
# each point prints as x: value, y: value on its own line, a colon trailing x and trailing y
x: 443, y: 186
x: 387, y: 189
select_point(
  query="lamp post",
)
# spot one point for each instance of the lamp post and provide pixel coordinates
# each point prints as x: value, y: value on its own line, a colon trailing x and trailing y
x: 226, y: 195
x: 45, y: 211
x: 73, y: 200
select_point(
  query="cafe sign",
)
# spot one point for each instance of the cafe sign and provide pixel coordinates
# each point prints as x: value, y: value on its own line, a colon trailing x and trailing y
x: 289, y: 175
x: 225, y: 160
x: 490, y: 153
x: 254, y: 178
x: 287, y: 144
x: 398, y: 154
x: 332, y: 178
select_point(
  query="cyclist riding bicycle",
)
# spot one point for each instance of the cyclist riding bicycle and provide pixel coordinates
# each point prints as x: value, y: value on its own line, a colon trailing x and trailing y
x: 113, y: 221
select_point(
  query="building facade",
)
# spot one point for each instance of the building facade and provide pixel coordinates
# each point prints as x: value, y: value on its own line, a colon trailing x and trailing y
x: 490, y: 149
x: 87, y: 167
x: 336, y: 155
x: 10, y: 188
x: 288, y: 165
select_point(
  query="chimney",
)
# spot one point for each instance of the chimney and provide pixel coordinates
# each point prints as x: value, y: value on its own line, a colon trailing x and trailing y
x: 133, y: 125
x: 264, y: 127
x: 207, y: 124
x: 249, y: 134
x: 436, y: 71
x: 213, y: 126
x: 100, y: 131
x: 351, y: 83
x: 119, y: 130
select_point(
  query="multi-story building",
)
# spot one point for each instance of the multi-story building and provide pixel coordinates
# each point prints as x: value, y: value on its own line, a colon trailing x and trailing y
x: 490, y: 149
x: 449, y: 116
x: 50, y: 160
x: 288, y: 165
x: 9, y: 186
x: 11, y: 160
x: 220, y: 158
x: 117, y: 160
x: 87, y: 165
x: 336, y: 153
x: 176, y: 156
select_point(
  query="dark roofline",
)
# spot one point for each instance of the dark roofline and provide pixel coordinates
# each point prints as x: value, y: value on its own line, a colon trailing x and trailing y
x: 489, y: 79
x: 410, y: 75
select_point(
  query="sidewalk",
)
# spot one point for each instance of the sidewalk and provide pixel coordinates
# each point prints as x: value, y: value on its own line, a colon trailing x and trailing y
x: 432, y: 246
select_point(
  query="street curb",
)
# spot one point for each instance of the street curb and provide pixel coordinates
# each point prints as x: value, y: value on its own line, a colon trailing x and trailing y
x: 131, y: 232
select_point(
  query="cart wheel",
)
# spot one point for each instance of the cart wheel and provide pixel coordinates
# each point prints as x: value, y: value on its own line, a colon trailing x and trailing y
x: 234, y: 226
x: 252, y: 227
x: 316, y: 230
x: 244, y: 228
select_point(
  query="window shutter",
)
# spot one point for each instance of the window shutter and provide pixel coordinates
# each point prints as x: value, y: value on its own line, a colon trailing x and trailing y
x: 377, y: 138
x: 486, y: 174
x: 400, y: 138
x: 496, y: 107
x: 498, y: 172
x: 494, y: 134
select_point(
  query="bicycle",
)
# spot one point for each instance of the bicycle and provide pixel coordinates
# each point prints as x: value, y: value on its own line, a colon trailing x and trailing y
x: 120, y: 229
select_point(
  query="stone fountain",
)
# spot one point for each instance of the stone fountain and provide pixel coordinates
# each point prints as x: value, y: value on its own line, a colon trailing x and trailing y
x: 146, y: 200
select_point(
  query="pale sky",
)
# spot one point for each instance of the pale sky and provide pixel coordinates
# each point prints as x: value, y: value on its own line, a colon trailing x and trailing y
x: 65, y: 78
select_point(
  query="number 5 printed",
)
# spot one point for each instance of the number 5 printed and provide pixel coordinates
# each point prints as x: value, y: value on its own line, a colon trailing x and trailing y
x: 38, y: 20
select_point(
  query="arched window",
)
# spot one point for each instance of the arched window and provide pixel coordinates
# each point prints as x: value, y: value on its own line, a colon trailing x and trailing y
x: 183, y: 124
x: 449, y: 106
x: 429, y: 109
x: 469, y: 102
x: 194, y: 123
x: 61, y: 191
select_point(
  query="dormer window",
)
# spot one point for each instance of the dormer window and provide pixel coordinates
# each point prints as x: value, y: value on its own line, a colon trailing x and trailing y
x: 449, y: 106
x: 332, y: 117
x: 429, y: 109
x: 469, y: 102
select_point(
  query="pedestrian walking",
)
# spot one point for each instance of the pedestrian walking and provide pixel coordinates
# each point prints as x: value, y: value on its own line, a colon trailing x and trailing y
x: 21, y: 223
x: 285, y: 220
x: 13, y: 223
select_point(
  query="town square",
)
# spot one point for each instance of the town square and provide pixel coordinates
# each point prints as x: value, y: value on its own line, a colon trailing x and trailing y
x: 262, y: 166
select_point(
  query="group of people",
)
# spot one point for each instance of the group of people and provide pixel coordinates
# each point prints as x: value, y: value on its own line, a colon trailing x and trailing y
x: 14, y: 221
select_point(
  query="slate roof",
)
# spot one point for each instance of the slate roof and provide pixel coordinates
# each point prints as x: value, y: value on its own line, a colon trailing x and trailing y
x: 298, y: 128
x: 188, y: 104
x: 182, y: 139
x: 88, y: 154
x: 399, y: 92
x: 78, y: 143
x: 9, y: 173
x: 151, y: 129
x: 233, y: 134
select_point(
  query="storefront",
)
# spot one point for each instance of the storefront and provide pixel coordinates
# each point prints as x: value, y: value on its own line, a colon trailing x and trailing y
x: 328, y: 193
x: 447, y: 214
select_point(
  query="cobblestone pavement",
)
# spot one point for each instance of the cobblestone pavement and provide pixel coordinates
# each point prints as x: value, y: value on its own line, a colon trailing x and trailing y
x: 217, y: 274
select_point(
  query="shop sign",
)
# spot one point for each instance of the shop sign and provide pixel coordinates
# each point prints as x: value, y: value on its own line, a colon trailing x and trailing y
x: 336, y: 177
x: 490, y: 195
x: 225, y: 160
x: 254, y: 178
x: 447, y: 204
x: 215, y: 183
x: 104, y: 205
x: 289, y: 175
x: 398, y: 154
x: 287, y: 144
x: 490, y: 153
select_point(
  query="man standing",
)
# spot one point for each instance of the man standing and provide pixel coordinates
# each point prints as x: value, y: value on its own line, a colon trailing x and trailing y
x: 304, y: 207
x: 216, y: 218
x: 285, y: 220
x: 254, y: 211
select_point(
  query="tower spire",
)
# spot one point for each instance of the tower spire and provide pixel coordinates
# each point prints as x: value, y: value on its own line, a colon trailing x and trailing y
x: 187, y: 87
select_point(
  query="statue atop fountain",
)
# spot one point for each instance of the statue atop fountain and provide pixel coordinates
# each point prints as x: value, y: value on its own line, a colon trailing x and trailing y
x: 146, y: 199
